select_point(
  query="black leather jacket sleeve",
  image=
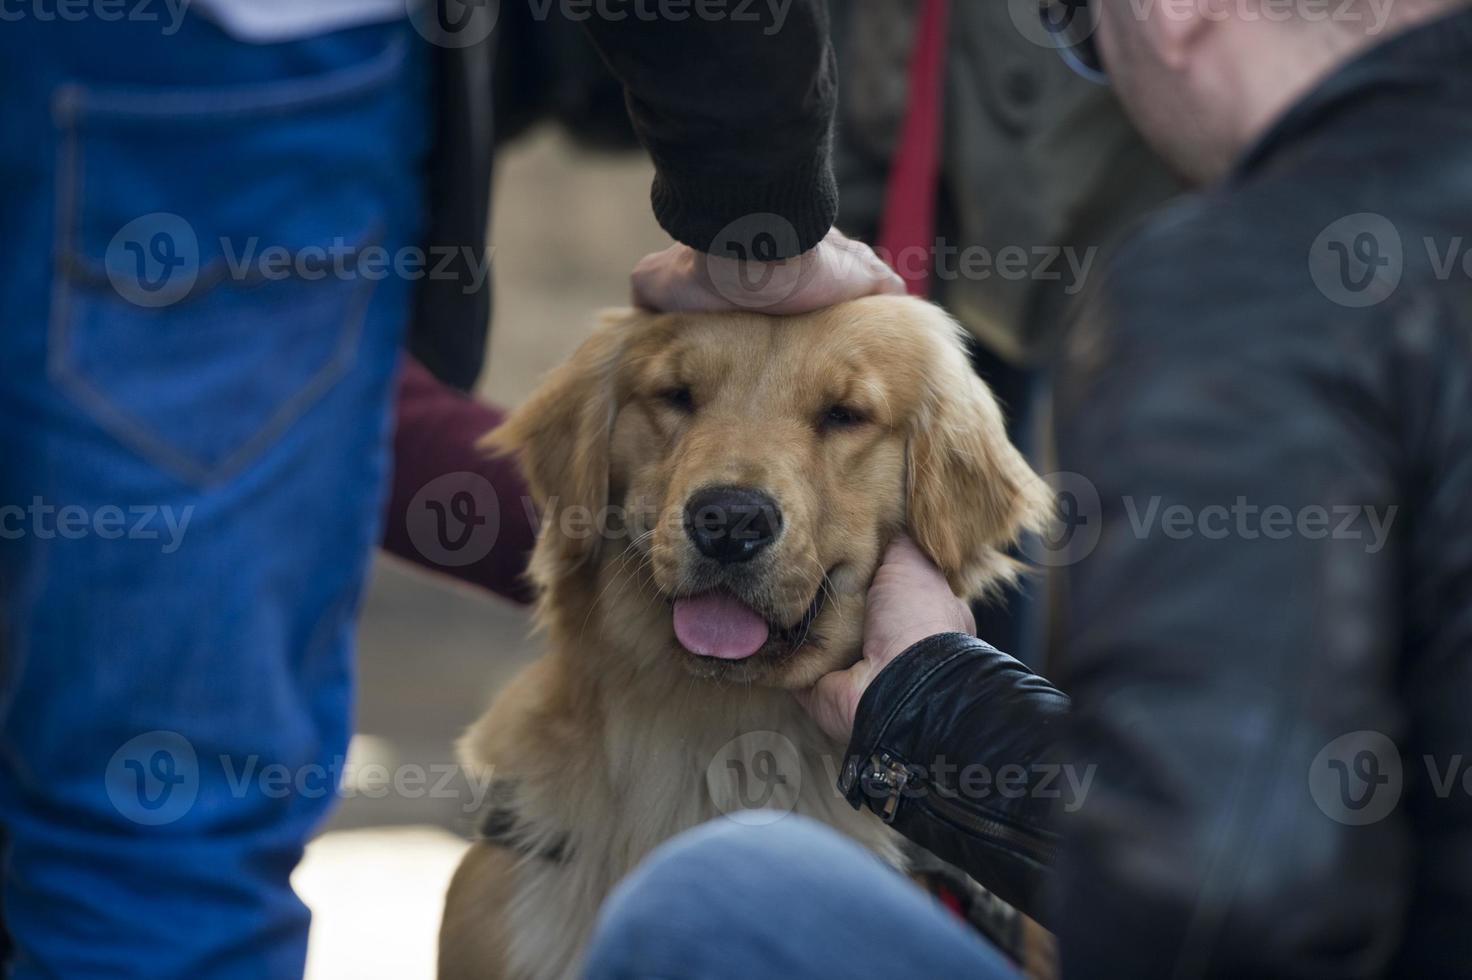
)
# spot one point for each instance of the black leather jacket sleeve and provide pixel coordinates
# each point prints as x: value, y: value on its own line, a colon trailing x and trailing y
x: 957, y: 745
x: 736, y: 111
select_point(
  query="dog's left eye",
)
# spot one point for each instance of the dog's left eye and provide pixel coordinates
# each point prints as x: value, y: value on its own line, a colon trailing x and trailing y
x: 681, y: 399
x: 842, y: 417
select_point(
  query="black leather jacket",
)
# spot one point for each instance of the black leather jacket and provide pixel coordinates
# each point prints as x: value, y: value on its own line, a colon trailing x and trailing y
x: 1269, y: 647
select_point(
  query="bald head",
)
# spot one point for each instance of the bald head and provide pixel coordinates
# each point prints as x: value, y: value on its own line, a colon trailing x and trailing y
x: 1204, y: 79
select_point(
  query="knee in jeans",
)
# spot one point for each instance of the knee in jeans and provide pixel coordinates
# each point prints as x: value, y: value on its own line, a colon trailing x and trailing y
x: 725, y: 854
x: 702, y: 873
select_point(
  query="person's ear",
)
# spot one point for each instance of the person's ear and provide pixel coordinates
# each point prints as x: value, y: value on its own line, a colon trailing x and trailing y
x: 1176, y: 30
x: 561, y: 436
x: 971, y: 493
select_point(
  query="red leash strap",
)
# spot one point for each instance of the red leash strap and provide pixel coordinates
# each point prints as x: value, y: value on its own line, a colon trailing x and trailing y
x: 907, y: 229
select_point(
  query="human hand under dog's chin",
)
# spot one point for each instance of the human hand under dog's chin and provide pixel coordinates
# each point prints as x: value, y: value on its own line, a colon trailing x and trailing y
x: 909, y: 601
x: 683, y: 280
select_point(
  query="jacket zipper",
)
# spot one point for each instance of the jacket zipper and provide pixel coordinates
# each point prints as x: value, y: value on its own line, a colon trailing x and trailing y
x: 1030, y: 844
x: 890, y: 773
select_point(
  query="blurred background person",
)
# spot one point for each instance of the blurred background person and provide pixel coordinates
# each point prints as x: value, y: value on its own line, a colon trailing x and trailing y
x: 998, y: 180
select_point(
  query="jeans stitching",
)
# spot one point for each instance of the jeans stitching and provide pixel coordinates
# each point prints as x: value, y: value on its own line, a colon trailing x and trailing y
x: 99, y: 407
x: 265, y: 99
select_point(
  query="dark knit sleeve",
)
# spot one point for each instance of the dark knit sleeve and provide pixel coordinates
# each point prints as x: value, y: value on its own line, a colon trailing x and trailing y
x: 735, y: 104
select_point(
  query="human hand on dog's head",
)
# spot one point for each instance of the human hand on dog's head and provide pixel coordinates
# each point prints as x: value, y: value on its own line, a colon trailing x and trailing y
x: 683, y: 280
x: 909, y: 601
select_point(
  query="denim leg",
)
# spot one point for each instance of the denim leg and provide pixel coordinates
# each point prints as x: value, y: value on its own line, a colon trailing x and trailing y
x: 193, y: 449
x: 791, y: 900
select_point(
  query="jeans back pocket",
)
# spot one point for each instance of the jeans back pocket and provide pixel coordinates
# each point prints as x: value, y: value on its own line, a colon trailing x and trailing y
x: 210, y: 281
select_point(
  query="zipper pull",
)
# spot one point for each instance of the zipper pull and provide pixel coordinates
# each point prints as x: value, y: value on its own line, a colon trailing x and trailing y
x: 887, y: 776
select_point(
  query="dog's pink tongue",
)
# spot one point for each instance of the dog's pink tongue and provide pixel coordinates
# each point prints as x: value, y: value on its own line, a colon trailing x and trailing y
x: 720, y: 626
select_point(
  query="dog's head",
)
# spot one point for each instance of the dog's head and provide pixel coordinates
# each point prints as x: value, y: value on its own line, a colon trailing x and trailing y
x: 721, y: 488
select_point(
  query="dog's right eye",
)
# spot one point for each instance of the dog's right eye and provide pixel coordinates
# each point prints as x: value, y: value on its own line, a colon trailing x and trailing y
x: 680, y: 399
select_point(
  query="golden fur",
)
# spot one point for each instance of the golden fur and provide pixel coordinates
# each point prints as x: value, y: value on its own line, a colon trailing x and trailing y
x: 610, y: 739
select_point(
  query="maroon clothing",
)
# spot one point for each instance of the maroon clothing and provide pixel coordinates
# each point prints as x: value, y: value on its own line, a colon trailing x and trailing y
x: 435, y: 441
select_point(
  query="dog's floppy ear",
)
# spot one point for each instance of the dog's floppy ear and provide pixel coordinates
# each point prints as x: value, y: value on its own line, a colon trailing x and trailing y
x: 561, y: 435
x: 972, y: 494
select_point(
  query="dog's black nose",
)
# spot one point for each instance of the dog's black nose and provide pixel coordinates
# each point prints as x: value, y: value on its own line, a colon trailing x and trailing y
x: 732, y: 524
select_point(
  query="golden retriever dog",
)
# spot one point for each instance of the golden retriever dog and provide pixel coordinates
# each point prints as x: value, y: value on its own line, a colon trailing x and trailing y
x: 716, y: 494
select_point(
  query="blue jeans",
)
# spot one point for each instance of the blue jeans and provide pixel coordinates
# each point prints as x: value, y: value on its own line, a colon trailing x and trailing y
x: 194, y: 411
x: 790, y: 899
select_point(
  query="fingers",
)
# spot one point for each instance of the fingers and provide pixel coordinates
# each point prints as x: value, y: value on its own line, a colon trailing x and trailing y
x: 642, y: 281
x: 683, y: 280
x: 890, y: 283
x: 875, y: 274
x: 903, y: 551
x: 673, y: 281
x: 834, y: 701
x: 909, y: 600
